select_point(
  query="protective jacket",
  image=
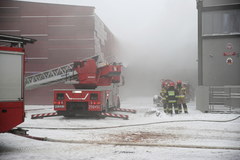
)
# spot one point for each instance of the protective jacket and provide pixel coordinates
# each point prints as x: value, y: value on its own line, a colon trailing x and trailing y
x: 181, y: 97
x: 163, y: 95
x: 172, y: 95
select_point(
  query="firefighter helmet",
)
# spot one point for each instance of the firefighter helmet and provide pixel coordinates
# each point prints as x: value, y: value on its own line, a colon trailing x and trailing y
x: 171, y: 84
x: 179, y: 82
x: 164, y: 84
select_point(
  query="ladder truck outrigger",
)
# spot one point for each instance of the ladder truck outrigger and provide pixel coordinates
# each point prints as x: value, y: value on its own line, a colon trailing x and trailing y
x: 96, y: 89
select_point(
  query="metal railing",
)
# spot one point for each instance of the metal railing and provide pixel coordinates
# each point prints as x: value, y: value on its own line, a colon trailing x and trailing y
x: 224, y: 99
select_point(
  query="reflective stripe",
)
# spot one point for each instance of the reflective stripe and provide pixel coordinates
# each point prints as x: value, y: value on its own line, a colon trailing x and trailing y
x: 171, y: 93
x: 181, y: 96
x: 172, y: 101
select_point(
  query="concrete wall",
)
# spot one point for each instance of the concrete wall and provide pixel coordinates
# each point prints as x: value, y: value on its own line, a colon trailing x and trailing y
x: 218, y: 42
x: 216, y: 71
x: 218, y: 47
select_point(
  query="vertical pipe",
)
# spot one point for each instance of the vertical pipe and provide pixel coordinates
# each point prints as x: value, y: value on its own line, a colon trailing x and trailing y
x: 200, y: 54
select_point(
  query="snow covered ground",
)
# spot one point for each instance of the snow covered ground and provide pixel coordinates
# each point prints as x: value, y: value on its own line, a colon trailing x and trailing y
x: 163, y: 137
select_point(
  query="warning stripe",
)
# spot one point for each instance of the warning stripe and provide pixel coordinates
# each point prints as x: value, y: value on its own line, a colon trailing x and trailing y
x: 124, y: 110
x: 35, y: 116
x: 114, y: 115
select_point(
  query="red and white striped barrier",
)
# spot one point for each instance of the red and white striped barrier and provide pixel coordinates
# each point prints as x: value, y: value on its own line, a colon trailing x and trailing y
x: 36, y: 116
x: 114, y: 115
x: 124, y: 110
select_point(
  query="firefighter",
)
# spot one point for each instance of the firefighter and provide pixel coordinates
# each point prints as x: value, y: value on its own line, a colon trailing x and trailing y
x: 172, y: 98
x: 163, y: 94
x: 181, y: 97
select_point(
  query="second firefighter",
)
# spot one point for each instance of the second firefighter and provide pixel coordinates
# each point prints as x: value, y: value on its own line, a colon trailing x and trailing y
x: 171, y: 98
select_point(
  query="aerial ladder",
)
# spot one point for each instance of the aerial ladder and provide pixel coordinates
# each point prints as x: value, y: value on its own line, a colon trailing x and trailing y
x: 96, y: 89
x: 52, y: 76
x: 49, y: 77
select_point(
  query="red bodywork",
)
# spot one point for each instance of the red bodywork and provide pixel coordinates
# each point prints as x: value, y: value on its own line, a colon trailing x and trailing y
x: 12, y: 111
x: 12, y: 114
x: 72, y: 102
x: 87, y: 102
x: 90, y: 76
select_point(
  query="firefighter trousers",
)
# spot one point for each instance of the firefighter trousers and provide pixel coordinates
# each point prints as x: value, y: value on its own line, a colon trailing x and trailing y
x: 170, y: 108
x: 184, y: 108
x: 165, y: 107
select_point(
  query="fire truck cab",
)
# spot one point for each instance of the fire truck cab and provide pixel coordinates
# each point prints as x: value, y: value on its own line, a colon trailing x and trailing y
x: 97, y: 90
x: 84, y: 102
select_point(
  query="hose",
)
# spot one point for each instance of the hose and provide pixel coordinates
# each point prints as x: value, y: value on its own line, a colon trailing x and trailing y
x: 143, y: 144
x: 134, y: 125
x: 133, y: 144
x: 128, y: 143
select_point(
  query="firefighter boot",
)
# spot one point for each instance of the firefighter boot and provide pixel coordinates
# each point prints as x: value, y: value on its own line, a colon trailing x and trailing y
x: 179, y: 108
x: 165, y: 108
x: 170, y: 110
x: 185, y: 108
x: 176, y: 107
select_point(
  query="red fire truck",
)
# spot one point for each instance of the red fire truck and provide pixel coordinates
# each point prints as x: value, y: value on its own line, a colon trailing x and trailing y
x: 11, y: 81
x: 103, y: 93
x: 96, y: 87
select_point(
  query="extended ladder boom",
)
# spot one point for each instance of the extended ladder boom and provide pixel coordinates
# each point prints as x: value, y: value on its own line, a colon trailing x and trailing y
x: 87, y: 73
x: 51, y: 76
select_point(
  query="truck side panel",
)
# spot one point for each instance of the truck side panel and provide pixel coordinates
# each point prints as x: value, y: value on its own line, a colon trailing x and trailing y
x: 11, y: 88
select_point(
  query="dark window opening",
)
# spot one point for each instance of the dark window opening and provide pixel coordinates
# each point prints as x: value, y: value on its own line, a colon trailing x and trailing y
x: 60, y: 96
x: 93, y: 96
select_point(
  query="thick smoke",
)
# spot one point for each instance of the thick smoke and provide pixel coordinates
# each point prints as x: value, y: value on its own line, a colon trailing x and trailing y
x: 159, y: 43
x: 157, y: 40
